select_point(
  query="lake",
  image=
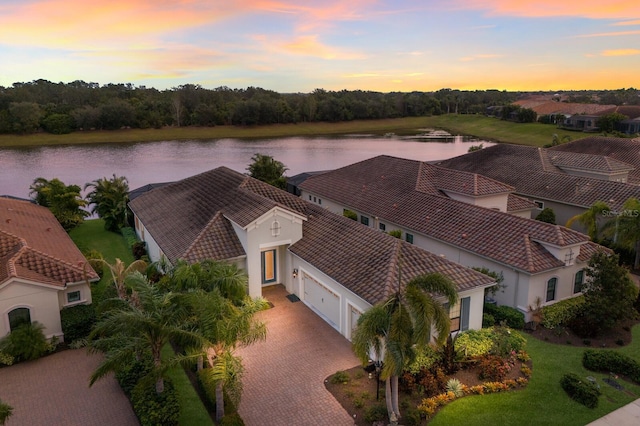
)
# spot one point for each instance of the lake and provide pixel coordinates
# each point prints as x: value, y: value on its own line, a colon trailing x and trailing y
x: 150, y: 162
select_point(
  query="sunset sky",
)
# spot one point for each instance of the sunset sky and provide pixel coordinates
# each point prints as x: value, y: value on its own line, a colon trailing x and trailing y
x: 300, y: 45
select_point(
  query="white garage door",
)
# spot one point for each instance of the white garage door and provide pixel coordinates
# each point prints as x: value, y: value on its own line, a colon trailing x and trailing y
x: 322, y: 300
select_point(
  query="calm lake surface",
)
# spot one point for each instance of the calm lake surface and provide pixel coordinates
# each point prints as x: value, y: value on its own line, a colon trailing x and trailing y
x: 150, y: 162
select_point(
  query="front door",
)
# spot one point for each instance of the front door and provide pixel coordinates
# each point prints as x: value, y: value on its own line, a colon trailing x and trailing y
x: 269, y: 267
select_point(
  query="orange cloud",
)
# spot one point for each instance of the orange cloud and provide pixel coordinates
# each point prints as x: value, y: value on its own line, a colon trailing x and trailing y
x: 596, y: 9
x: 621, y: 52
x: 310, y: 46
x: 480, y: 56
x: 612, y: 34
x: 625, y: 23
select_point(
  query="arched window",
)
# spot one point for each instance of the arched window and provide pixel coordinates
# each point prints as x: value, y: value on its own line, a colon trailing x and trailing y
x: 19, y: 316
x: 551, y: 289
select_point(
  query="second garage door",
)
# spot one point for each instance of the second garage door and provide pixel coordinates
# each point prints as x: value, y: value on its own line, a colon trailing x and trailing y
x: 322, y: 299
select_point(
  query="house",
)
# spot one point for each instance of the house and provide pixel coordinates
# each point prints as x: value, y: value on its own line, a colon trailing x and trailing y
x: 41, y: 269
x: 337, y: 267
x: 461, y: 217
x: 568, y: 182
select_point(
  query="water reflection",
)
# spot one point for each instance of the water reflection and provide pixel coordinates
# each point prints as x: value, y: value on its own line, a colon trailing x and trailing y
x: 143, y: 163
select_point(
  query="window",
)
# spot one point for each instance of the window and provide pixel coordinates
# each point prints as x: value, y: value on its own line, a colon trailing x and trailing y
x: 578, y: 281
x: 551, y: 289
x: 409, y: 238
x: 540, y: 204
x: 19, y: 316
x: 309, y: 197
x: 454, y: 316
x: 314, y: 199
x: 459, y: 314
x: 73, y: 296
x: 382, y: 226
x: 320, y: 201
x: 364, y: 220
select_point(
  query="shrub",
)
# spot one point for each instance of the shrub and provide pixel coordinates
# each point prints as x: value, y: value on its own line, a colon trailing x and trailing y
x: 94, y: 254
x: 340, y: 377
x: 375, y: 413
x: 155, y: 409
x: 611, y: 361
x: 129, y: 235
x: 426, y: 357
x: 139, y: 249
x: 488, y: 320
x: 583, y: 392
x: 395, y: 233
x: 493, y: 368
x: 506, y: 341
x: 561, y: 313
x: 454, y: 385
x: 129, y: 376
x: 5, y: 412
x: 475, y: 343
x: 27, y: 342
x: 77, y: 321
x: 350, y: 214
x: 233, y: 419
x: 511, y: 317
x: 6, y: 359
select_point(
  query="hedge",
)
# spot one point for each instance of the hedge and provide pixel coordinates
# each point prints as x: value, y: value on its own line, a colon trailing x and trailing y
x: 611, y: 361
x: 155, y: 409
x: 581, y: 391
x: 77, y: 322
x: 512, y: 317
x: 561, y: 313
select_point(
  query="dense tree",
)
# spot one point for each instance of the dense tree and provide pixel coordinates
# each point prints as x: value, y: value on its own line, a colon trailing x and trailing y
x: 108, y: 198
x: 269, y: 170
x: 626, y: 226
x: 609, y: 122
x: 391, y: 329
x: 64, y: 201
x: 609, y: 296
x: 25, y: 116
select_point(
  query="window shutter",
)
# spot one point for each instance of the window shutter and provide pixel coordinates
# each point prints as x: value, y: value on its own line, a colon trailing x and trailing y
x: 464, y: 314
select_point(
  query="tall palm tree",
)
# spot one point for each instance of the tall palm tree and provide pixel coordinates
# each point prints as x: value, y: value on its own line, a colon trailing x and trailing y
x: 143, y: 325
x: 628, y: 227
x: 589, y: 218
x: 109, y: 198
x: 119, y: 272
x: 209, y: 275
x: 391, y: 329
x: 225, y: 326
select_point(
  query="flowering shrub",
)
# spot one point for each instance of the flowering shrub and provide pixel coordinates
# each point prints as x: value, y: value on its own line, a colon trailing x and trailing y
x: 523, y: 356
x: 494, y: 368
x: 526, y: 371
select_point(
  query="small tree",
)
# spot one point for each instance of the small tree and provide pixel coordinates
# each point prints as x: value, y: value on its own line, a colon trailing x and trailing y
x: 64, y: 201
x: 609, y: 294
x: 608, y: 122
x: 269, y: 170
x: 5, y: 412
x: 547, y: 215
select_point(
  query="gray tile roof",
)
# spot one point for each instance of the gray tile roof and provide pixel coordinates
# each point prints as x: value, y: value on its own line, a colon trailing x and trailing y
x: 190, y: 219
x: 525, y: 168
x: 433, y: 179
x: 368, y: 187
x: 575, y: 160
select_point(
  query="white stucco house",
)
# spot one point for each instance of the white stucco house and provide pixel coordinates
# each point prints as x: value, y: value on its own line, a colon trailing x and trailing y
x: 337, y: 267
x: 464, y: 217
x: 41, y: 269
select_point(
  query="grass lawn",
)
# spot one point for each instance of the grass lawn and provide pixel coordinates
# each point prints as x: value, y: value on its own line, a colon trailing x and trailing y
x: 92, y: 235
x: 543, y: 401
x: 192, y: 411
x: 477, y: 125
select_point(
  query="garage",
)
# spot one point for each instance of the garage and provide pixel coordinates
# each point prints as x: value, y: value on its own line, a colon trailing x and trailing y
x: 322, y: 300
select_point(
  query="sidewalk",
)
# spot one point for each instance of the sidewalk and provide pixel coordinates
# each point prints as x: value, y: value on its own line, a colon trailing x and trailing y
x: 629, y: 415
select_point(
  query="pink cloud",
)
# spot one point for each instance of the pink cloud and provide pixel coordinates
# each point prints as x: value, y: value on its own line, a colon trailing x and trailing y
x: 596, y: 9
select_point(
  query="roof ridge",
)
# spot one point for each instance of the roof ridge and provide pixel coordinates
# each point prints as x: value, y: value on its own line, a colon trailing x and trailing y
x: 475, y: 184
x: 395, y: 264
x: 200, y: 235
x: 560, y: 236
x: 528, y: 252
x: 78, y: 268
x: 542, y: 162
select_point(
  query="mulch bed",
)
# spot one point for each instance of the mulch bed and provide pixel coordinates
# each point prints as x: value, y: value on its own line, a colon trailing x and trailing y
x: 619, y: 336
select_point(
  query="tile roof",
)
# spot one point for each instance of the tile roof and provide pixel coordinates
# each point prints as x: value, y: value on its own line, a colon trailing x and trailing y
x: 552, y: 107
x: 369, y: 262
x: 34, y: 246
x: 620, y: 149
x: 433, y: 179
x: 526, y: 169
x: 575, y: 160
x: 518, y: 204
x: 360, y: 258
x: 505, y: 238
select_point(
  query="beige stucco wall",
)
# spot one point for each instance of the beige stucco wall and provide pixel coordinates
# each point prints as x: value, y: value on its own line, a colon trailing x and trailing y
x: 85, y: 295
x: 43, y: 303
x: 497, y: 201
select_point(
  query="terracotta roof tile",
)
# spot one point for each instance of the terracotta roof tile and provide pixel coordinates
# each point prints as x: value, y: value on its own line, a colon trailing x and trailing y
x: 34, y: 246
x: 575, y: 160
x: 516, y: 204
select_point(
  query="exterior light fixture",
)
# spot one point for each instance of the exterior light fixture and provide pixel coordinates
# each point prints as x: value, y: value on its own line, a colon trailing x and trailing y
x: 295, y: 273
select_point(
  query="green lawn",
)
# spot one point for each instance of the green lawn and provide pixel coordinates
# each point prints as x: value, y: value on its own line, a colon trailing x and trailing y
x: 543, y: 401
x: 92, y: 235
x: 477, y: 125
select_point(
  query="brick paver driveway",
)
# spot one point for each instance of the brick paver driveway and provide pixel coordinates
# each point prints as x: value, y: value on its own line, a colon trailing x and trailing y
x: 284, y: 376
x: 54, y: 391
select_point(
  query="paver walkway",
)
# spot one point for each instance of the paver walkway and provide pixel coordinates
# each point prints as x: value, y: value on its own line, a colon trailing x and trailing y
x: 629, y: 415
x: 284, y: 376
x: 54, y: 390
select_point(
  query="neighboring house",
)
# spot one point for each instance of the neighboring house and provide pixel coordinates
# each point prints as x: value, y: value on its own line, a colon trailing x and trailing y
x: 567, y: 182
x: 460, y: 216
x: 583, y: 122
x: 337, y: 267
x: 41, y: 269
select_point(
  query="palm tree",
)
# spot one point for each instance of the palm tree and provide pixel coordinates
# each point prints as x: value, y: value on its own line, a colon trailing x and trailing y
x: 589, y: 218
x: 391, y: 329
x: 64, y: 201
x: 109, y: 198
x: 225, y: 327
x: 119, y: 272
x: 143, y: 325
x: 628, y: 227
x: 209, y: 275
x: 5, y: 412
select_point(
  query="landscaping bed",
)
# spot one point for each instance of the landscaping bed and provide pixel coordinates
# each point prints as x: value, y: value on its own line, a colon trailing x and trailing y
x: 561, y: 335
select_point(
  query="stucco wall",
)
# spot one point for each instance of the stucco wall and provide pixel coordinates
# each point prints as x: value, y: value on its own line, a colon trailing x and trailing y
x: 42, y: 302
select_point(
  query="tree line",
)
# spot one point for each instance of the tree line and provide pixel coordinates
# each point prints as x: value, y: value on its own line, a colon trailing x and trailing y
x: 61, y: 108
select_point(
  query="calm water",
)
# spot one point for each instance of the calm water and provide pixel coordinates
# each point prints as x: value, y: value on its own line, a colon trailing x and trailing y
x: 144, y: 163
